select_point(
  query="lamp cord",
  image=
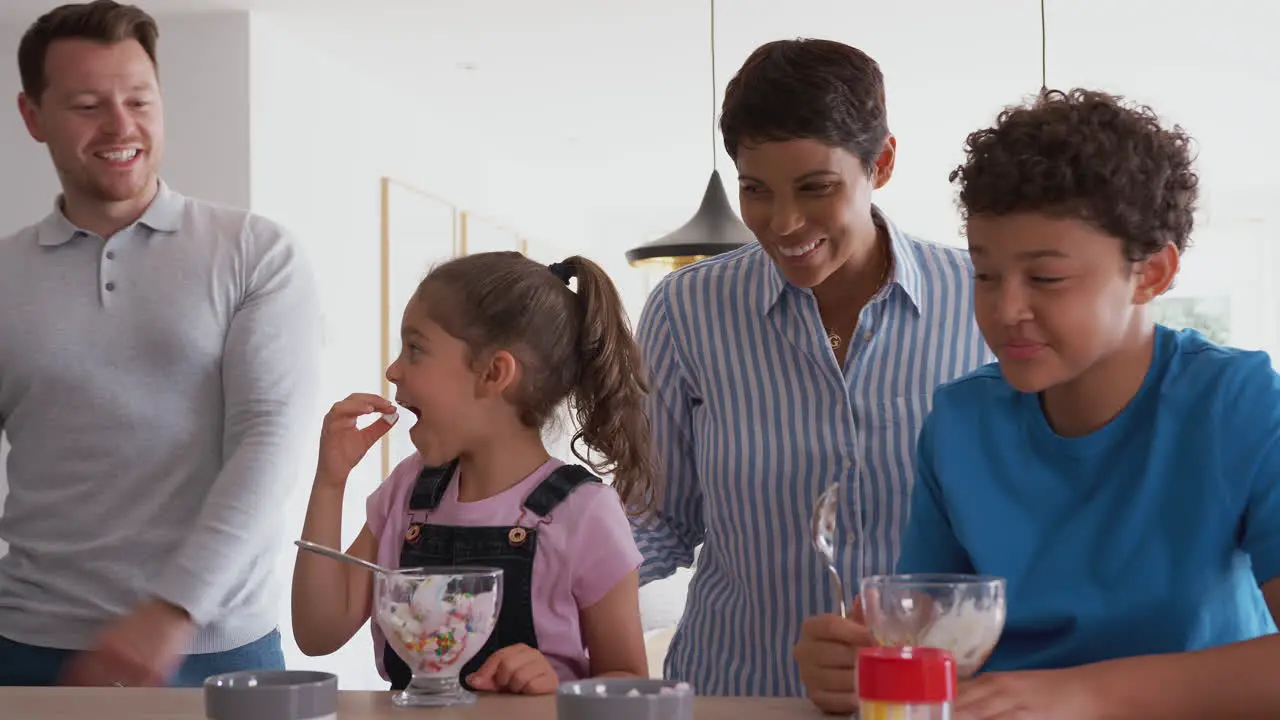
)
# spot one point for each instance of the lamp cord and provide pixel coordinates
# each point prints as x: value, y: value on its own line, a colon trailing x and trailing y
x: 714, y: 88
x: 1044, y: 52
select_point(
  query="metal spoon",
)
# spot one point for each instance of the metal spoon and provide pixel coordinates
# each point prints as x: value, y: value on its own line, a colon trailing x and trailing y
x: 339, y: 555
x: 823, y: 531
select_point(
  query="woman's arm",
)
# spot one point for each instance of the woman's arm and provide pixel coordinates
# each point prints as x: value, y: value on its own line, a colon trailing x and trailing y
x: 611, y: 629
x: 668, y: 536
x: 330, y: 600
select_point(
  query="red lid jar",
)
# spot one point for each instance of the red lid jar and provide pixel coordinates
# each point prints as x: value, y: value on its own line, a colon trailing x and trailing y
x: 906, y: 675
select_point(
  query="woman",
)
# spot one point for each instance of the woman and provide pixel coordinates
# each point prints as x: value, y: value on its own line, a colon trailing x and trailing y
x: 801, y: 361
x: 1122, y: 476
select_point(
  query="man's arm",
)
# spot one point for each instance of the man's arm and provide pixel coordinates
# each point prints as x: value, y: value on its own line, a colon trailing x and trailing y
x: 270, y: 371
x: 668, y: 535
x: 4, y: 478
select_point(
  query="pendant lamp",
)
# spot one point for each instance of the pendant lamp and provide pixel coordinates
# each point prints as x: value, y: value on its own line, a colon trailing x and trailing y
x: 714, y: 228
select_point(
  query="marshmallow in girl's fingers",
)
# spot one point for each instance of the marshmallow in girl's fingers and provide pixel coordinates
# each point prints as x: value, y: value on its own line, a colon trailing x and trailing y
x: 391, y: 417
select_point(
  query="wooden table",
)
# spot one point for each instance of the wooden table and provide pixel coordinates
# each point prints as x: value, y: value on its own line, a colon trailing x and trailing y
x: 168, y: 704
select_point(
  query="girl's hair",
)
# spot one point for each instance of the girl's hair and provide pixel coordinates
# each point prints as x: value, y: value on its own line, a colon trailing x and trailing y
x: 569, y: 345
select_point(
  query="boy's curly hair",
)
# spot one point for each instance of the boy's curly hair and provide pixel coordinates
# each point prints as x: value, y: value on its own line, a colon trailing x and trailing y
x: 1087, y: 155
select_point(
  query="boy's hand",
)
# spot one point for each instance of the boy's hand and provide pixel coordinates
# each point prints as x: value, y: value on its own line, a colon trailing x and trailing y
x: 827, y: 654
x: 1041, y: 694
x: 516, y: 669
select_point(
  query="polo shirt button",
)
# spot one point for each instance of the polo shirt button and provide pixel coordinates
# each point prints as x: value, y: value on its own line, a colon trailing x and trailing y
x: 111, y: 254
x: 111, y: 286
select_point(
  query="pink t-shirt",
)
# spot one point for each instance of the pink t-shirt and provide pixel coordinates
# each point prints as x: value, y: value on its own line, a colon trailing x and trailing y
x: 583, y: 552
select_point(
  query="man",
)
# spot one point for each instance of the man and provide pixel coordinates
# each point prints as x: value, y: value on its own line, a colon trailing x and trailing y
x: 156, y: 373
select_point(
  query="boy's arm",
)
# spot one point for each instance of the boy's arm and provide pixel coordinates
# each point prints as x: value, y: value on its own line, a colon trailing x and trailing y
x: 929, y: 544
x: 1231, y: 681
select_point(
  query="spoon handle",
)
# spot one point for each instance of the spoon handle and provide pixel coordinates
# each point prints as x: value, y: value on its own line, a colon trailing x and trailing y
x: 338, y: 555
x: 839, y: 586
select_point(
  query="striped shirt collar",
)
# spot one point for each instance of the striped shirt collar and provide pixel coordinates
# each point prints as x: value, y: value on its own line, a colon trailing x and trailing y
x: 906, y: 269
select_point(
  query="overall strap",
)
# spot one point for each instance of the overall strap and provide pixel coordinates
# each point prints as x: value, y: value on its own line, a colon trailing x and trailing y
x: 429, y: 489
x: 558, y: 486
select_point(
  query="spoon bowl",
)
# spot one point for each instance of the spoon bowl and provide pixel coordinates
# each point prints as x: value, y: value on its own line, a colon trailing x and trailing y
x: 822, y: 528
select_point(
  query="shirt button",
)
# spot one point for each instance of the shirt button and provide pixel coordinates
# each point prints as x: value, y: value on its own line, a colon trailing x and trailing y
x: 111, y: 254
x: 111, y: 286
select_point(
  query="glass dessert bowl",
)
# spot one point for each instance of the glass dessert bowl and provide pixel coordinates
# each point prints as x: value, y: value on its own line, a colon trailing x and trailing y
x: 963, y: 614
x: 436, y: 619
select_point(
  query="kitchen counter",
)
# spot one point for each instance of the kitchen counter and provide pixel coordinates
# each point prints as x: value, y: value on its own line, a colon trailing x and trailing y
x: 172, y: 704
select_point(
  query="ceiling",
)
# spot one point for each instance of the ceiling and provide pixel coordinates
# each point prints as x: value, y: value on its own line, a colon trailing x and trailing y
x: 605, y: 107
x: 27, y: 10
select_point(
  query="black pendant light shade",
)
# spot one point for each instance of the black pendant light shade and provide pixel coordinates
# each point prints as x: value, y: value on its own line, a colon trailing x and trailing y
x: 714, y: 229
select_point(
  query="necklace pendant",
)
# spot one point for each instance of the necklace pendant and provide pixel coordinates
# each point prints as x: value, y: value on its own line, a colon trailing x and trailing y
x: 833, y: 339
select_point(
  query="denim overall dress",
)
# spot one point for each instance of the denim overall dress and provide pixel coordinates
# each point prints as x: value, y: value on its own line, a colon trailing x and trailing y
x: 511, y: 548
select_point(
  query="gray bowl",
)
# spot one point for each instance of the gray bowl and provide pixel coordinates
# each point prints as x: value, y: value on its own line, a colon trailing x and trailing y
x: 271, y: 695
x: 624, y: 699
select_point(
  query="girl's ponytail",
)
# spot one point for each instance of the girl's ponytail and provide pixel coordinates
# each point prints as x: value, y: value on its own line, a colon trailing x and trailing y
x: 608, y: 397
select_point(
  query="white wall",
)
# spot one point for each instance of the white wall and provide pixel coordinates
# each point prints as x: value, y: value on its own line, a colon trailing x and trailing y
x: 387, y: 93
x: 299, y: 117
x: 322, y: 137
x: 204, y: 68
x: 325, y: 128
x: 265, y: 113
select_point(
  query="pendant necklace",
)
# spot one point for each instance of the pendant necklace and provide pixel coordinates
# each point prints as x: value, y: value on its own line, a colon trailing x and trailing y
x: 833, y: 337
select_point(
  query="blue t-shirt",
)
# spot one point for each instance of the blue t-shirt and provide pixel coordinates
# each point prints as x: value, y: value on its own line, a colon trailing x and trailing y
x: 1150, y: 535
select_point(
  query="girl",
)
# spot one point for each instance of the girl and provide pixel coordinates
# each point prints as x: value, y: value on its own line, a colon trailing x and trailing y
x: 1123, y: 477
x: 492, y: 344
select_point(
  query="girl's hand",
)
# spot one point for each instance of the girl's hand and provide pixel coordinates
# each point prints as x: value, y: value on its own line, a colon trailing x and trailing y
x: 516, y: 669
x: 342, y: 444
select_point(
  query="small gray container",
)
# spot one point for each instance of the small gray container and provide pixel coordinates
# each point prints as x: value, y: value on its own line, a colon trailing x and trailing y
x: 624, y: 699
x: 271, y: 695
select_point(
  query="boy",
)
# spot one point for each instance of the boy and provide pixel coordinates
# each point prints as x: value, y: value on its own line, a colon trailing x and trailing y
x: 1124, y: 477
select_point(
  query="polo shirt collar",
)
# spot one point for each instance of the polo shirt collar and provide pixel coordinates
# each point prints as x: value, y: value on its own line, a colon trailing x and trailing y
x: 164, y: 214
